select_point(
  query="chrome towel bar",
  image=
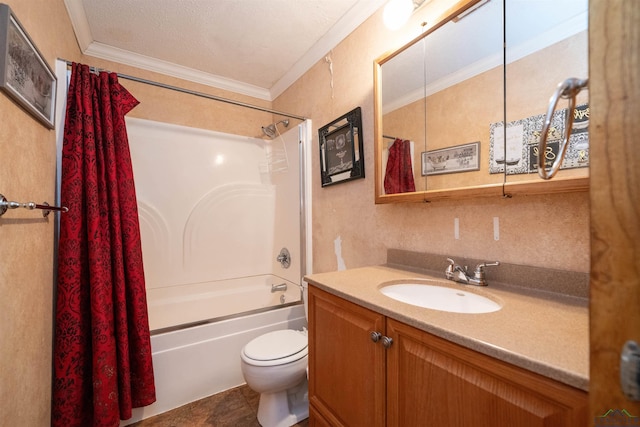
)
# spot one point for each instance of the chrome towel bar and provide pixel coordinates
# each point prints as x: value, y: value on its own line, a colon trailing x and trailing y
x: 45, y: 207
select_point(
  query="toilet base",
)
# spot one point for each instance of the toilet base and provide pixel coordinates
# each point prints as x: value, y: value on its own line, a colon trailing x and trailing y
x: 284, y: 408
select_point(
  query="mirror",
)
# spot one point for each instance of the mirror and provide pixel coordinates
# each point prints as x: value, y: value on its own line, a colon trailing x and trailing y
x: 542, y: 50
x: 341, y: 149
x: 448, y: 92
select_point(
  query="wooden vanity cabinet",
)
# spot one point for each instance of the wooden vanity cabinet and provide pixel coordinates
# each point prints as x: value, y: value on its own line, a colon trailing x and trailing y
x: 346, y: 369
x: 421, y: 379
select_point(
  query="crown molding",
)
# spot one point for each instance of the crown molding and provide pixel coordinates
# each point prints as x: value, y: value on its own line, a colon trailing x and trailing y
x: 360, y: 12
x: 79, y: 23
x: 90, y: 47
x: 102, y: 51
x: 556, y: 34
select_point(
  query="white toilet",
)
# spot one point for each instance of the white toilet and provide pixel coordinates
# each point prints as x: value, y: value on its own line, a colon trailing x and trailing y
x: 275, y: 365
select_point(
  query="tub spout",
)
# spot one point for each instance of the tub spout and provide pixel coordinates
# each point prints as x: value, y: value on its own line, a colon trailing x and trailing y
x: 280, y: 287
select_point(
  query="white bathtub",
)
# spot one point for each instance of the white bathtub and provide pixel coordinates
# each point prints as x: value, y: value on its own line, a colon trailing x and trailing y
x: 188, y: 304
x: 199, y: 361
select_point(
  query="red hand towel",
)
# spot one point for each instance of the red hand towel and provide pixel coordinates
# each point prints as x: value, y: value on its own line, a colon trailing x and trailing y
x: 399, y: 174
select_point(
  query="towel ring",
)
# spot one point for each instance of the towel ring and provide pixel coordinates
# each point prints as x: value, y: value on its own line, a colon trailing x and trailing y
x: 567, y: 89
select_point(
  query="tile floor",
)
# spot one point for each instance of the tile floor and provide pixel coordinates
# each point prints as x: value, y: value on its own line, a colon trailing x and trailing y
x: 236, y: 407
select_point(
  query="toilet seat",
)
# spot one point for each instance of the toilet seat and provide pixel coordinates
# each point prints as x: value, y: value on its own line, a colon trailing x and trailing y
x: 276, y: 348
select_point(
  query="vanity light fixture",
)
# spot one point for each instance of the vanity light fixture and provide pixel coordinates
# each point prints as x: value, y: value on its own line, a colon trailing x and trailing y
x: 397, y: 12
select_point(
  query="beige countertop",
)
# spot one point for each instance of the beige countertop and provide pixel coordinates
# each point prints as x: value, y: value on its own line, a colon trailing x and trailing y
x: 542, y: 332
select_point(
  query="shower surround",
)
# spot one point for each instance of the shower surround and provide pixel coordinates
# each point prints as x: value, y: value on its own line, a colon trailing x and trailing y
x: 213, y: 219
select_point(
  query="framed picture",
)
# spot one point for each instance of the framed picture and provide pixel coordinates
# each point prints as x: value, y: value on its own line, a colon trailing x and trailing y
x: 520, y: 156
x: 341, y: 149
x: 460, y: 158
x: 24, y: 75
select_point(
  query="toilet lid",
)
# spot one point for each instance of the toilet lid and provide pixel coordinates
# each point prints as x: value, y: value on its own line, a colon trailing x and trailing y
x: 276, y: 345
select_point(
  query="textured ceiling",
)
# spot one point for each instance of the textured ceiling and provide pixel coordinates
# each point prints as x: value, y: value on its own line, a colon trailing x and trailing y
x: 258, y: 44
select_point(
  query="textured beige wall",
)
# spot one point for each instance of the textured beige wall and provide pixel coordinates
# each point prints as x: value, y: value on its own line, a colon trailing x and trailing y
x: 26, y: 253
x: 548, y: 230
x: 28, y: 174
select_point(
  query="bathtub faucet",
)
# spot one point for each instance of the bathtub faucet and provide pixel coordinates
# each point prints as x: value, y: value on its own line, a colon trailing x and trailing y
x: 280, y: 287
x: 284, y: 258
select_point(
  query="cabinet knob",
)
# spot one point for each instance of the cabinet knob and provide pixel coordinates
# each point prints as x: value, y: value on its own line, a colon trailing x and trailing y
x: 386, y: 342
x: 375, y: 336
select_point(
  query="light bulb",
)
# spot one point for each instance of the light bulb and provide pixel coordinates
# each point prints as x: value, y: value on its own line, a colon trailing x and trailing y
x: 396, y: 13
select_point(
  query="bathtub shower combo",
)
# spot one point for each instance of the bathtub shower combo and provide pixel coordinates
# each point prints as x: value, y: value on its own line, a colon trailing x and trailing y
x: 224, y: 249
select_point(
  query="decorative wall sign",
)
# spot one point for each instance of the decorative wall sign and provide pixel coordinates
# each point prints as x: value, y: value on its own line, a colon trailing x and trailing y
x: 514, y: 157
x: 24, y: 74
x: 523, y: 137
x: 341, y: 149
x: 460, y: 158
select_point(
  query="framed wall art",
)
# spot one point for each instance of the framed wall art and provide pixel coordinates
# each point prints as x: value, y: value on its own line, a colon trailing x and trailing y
x: 341, y: 149
x: 461, y: 158
x: 523, y: 137
x: 24, y: 75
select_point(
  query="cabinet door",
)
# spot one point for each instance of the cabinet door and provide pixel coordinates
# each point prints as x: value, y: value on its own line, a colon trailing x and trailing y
x: 346, y: 368
x: 315, y: 419
x: 433, y: 382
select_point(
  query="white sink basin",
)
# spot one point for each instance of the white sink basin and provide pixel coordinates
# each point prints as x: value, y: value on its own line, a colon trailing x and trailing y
x: 433, y: 296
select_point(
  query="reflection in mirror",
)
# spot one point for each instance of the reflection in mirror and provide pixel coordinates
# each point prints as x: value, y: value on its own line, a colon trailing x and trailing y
x: 449, y: 91
x: 440, y: 93
x: 403, y: 111
x: 341, y: 149
x: 465, y: 94
x: 542, y: 50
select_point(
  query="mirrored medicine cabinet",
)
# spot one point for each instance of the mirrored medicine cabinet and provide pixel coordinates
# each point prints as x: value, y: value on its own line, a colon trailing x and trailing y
x: 441, y: 101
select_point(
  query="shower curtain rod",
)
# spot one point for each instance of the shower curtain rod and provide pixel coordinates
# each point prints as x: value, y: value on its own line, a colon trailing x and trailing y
x: 191, y: 92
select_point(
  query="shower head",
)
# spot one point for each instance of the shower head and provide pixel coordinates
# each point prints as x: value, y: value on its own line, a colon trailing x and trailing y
x: 272, y: 130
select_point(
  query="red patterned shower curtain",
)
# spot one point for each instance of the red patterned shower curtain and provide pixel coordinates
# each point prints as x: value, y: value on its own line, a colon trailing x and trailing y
x: 102, y: 351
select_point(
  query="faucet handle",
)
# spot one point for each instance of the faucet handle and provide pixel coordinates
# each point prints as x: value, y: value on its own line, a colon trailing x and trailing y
x: 448, y: 272
x: 450, y: 267
x: 488, y: 264
x: 479, y: 271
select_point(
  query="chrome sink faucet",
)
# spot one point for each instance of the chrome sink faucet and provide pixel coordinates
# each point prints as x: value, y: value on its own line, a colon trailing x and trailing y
x: 459, y: 274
